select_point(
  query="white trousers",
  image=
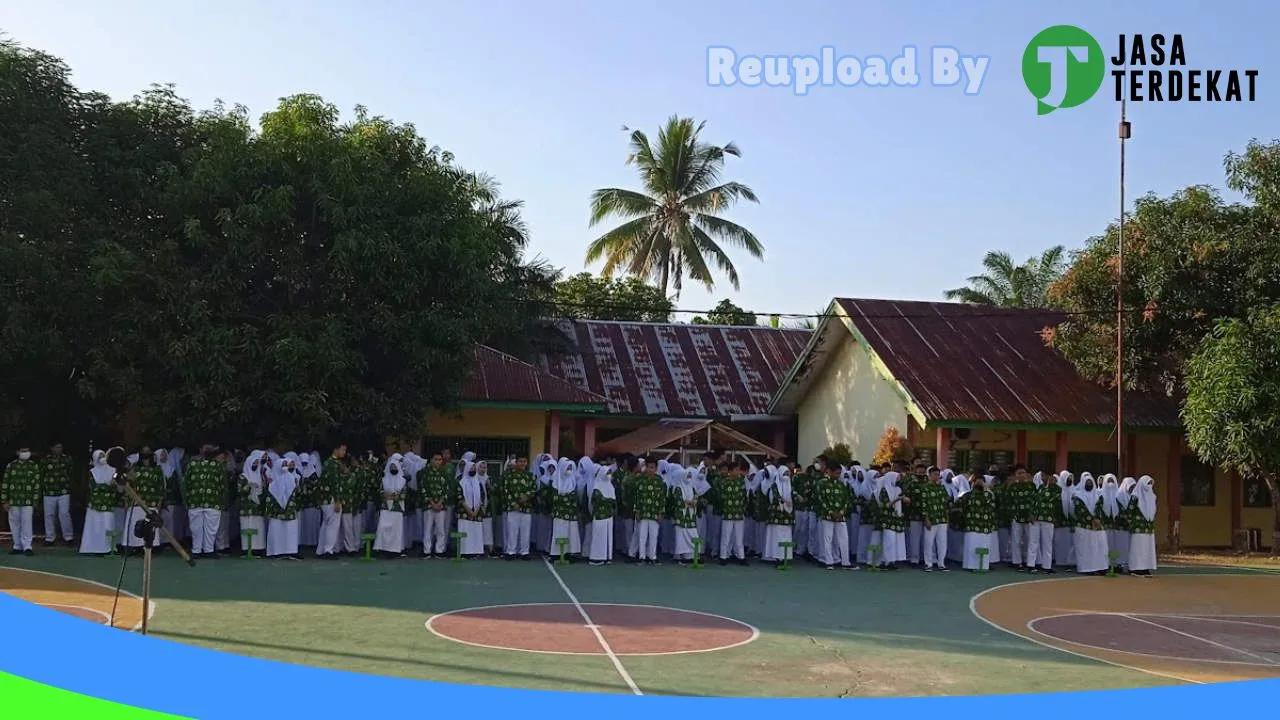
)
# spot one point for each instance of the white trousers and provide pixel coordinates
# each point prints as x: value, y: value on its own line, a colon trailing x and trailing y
x: 1118, y: 541
x: 1002, y: 541
x: 854, y: 524
x: 204, y: 530
x: 647, y: 539
x: 1040, y: 545
x: 601, y: 533
x: 893, y: 546
x: 1018, y: 541
x: 833, y: 543
x: 20, y: 519
x: 330, y: 527
x: 867, y: 536
x: 435, y: 531
x: 1064, y: 547
x: 473, y: 543
x: 282, y: 537
x: 94, y: 539
x: 934, y: 544
x: 352, y: 528
x: 714, y: 524
x: 804, y: 520
x: 58, y: 507
x: 132, y: 516
x: 731, y: 539
x: 517, y: 527
x: 915, y: 541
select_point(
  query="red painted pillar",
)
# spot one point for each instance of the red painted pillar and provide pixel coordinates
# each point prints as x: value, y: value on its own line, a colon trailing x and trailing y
x: 943, y: 450
x: 1173, y: 497
x: 589, y: 436
x: 553, y: 435
x: 1020, y: 455
x: 1060, y: 451
x: 1130, y: 468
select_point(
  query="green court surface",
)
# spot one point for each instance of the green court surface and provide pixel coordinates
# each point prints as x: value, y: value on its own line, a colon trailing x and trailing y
x: 820, y: 633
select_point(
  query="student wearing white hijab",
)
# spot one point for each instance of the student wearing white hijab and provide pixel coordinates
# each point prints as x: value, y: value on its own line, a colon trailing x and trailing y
x: 684, y: 512
x: 1142, y: 527
x: 978, y: 508
x: 470, y: 510
x: 540, y: 524
x: 602, y: 503
x: 410, y: 466
x: 1118, y: 536
x: 1113, y: 517
x: 867, y: 509
x: 750, y: 534
x: 564, y: 510
x: 100, y: 517
x: 1090, y: 533
x: 280, y: 506
x: 309, y: 516
x: 1064, y: 544
x: 486, y: 507
x: 851, y: 477
x: 890, y: 521
x: 781, y: 520
x: 391, y: 526
x: 148, y: 483
x: 254, y: 475
x: 952, y: 483
x: 173, y: 513
x: 1045, y: 508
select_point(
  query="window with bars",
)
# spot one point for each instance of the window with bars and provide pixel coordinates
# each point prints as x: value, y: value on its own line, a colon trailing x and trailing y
x: 1097, y: 464
x: 1198, y: 486
x: 1256, y: 493
x: 1042, y: 461
x: 966, y: 460
x: 488, y: 449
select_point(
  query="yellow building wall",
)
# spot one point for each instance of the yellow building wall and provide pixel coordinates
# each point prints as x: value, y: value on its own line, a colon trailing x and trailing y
x: 494, y: 423
x: 848, y: 403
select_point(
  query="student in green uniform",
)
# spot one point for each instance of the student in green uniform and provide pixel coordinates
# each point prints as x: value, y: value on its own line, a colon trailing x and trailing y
x: 1142, y: 527
x: 1091, y: 534
x: 435, y: 484
x: 329, y: 494
x: 978, y: 508
x: 602, y: 504
x: 803, y: 485
x: 206, y: 501
x: 1019, y: 499
x: 911, y: 485
x: 55, y: 483
x: 19, y: 490
x: 518, y: 490
x: 148, y: 482
x: 99, y: 517
x: 934, y: 506
x: 650, y: 498
x: 832, y: 501
x: 731, y: 501
x: 1046, y: 509
x: 280, y: 505
x: 250, y: 487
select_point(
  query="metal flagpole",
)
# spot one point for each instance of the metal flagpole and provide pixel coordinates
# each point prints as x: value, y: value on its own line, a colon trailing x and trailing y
x: 1124, y: 134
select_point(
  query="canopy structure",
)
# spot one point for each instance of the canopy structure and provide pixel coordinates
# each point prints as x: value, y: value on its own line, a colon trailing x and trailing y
x: 688, y: 439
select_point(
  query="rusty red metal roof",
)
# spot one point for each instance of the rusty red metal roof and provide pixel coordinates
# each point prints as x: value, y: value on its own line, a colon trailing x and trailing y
x: 676, y: 370
x: 983, y: 364
x: 498, y: 377
x: 669, y: 432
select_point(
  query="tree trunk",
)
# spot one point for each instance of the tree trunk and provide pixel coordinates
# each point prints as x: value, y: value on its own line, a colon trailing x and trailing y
x: 666, y: 275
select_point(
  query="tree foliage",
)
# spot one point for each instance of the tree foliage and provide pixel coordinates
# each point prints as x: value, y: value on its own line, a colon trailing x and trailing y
x: 1008, y: 285
x: 674, y: 226
x: 1232, y: 407
x: 626, y: 299
x: 893, y: 447
x: 839, y: 454
x: 189, y: 274
x: 726, y: 313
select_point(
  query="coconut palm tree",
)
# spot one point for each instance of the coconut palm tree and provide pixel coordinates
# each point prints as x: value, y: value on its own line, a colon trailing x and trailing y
x: 1007, y: 285
x: 673, y: 226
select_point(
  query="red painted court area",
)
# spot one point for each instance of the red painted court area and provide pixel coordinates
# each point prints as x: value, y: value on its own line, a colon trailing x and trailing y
x: 1236, y: 639
x: 560, y: 628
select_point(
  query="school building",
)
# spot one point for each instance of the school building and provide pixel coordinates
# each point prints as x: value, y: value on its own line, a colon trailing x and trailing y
x: 967, y: 385
x: 970, y: 385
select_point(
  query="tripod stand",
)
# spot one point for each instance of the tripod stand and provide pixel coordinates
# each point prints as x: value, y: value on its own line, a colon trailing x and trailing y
x: 144, y: 529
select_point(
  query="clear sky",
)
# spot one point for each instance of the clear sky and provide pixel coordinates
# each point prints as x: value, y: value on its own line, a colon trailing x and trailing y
x: 864, y: 192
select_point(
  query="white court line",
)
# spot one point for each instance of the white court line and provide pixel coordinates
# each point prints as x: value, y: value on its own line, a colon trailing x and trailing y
x: 151, y: 606
x: 1207, y: 641
x: 604, y: 644
x: 105, y: 617
x: 1031, y: 626
x: 1232, y: 619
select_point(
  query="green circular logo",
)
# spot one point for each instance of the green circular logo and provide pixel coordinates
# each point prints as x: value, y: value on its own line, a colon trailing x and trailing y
x: 1063, y: 67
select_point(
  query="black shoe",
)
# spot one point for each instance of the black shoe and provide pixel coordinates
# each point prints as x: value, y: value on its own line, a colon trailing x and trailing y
x: 27, y: 553
x: 742, y: 562
x: 50, y: 543
x: 723, y: 562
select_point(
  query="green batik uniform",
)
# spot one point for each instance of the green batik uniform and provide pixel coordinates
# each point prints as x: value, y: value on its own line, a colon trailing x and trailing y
x: 650, y: 497
x: 1046, y: 505
x: 869, y: 511
x: 832, y: 500
x: 247, y: 507
x: 206, y: 484
x: 272, y: 509
x: 712, y: 496
x: 682, y: 516
x: 148, y: 482
x: 411, y: 498
x: 602, y: 508
x: 55, y: 475
x: 21, y: 486
x: 933, y: 503
x: 622, y: 490
x: 330, y: 484
x: 172, y: 491
x: 102, y: 498
x: 564, y: 506
x: 1004, y: 513
x: 518, y: 490
x: 1020, y: 500
x: 776, y: 514
x: 1083, y: 516
x: 370, y: 487
x: 434, y: 487
x: 886, y: 518
x: 1137, y: 522
x: 955, y: 514
x: 731, y: 498
x: 979, y: 508
x: 802, y: 488
x: 911, y: 489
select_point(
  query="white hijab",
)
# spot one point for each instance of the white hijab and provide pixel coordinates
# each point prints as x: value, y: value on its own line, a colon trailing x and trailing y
x: 869, y: 485
x: 546, y: 470
x: 684, y: 481
x: 603, y: 482
x: 782, y: 481
x: 467, y: 457
x: 1146, y: 496
x: 565, y: 480
x: 394, y: 482
x: 1088, y: 497
x: 251, y: 471
x: 102, y: 473
x: 470, y: 485
x: 412, y: 465
x: 1110, y: 493
x: 890, y: 486
x: 1037, y: 479
x: 307, y: 467
x: 752, y: 483
x: 586, y: 472
x: 949, y: 483
x: 1126, y: 492
x: 1066, y: 480
x: 283, y: 481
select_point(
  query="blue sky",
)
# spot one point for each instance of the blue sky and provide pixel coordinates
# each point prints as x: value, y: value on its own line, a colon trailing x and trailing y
x: 865, y: 192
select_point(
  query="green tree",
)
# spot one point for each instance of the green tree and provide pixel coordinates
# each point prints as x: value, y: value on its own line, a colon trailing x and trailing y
x: 180, y: 276
x: 589, y: 297
x: 1232, y: 408
x: 673, y: 227
x: 1007, y: 285
x: 726, y: 313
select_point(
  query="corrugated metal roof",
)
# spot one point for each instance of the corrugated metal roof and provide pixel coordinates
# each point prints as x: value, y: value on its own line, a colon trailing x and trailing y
x: 669, y: 370
x: 990, y: 365
x: 498, y: 377
x: 667, y: 433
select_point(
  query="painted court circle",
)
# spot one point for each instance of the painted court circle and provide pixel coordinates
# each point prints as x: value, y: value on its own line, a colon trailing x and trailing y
x: 559, y: 629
